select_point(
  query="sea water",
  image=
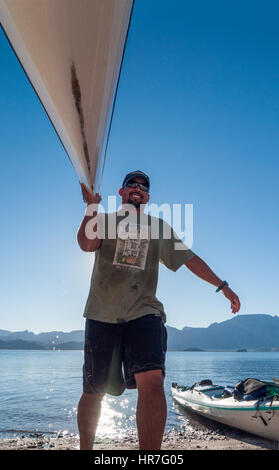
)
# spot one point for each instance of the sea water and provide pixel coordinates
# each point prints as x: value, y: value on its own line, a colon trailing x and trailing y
x: 40, y: 390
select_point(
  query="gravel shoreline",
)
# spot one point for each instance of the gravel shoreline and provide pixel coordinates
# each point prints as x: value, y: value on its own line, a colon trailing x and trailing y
x: 187, y: 438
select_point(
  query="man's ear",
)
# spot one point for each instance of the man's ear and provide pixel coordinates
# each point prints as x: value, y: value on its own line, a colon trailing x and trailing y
x: 120, y: 192
x: 148, y: 197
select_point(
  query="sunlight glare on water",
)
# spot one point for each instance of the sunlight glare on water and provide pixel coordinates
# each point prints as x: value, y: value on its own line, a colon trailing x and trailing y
x: 117, y: 418
x: 40, y: 390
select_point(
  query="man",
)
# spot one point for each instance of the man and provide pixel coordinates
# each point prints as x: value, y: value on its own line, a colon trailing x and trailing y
x: 124, y: 319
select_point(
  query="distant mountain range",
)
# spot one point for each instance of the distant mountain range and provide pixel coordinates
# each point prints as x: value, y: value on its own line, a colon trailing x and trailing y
x: 51, y: 340
x: 240, y: 332
x: 258, y: 332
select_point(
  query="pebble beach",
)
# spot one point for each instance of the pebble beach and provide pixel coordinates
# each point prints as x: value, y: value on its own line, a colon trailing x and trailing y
x: 213, y: 437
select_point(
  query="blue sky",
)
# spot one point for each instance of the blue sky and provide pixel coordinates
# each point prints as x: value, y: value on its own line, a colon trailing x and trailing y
x: 197, y: 109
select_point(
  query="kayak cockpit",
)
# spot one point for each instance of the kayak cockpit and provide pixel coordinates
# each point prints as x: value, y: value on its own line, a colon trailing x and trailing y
x: 205, y: 386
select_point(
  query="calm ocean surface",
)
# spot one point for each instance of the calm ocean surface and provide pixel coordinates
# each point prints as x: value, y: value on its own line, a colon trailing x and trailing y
x: 40, y: 390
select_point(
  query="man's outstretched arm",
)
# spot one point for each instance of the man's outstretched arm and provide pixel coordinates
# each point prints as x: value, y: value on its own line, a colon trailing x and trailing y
x: 202, y: 270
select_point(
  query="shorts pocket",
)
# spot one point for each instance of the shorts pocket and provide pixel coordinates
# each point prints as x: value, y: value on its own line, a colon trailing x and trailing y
x: 88, y: 361
x: 165, y: 339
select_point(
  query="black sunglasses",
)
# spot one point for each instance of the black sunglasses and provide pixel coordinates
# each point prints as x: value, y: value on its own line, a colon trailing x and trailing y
x: 143, y: 187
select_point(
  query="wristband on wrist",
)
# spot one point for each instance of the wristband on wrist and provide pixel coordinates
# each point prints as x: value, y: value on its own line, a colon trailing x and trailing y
x: 224, y: 284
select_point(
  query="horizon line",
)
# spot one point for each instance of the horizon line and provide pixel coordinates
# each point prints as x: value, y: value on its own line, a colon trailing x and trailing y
x: 179, y: 329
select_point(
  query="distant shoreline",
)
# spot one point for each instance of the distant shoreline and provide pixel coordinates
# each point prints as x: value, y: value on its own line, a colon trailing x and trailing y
x: 58, y: 348
x: 242, y: 333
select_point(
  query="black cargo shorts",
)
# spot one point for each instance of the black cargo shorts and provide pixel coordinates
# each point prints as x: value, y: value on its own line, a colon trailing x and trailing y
x: 114, y: 352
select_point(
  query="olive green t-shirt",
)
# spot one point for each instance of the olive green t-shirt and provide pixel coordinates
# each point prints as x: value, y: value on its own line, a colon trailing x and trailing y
x: 125, y: 274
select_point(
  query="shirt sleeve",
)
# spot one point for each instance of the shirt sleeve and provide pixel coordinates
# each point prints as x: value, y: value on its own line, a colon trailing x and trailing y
x: 173, y: 252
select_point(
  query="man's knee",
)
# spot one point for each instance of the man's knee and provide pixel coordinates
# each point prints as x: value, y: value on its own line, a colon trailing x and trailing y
x: 88, y: 399
x: 151, y: 380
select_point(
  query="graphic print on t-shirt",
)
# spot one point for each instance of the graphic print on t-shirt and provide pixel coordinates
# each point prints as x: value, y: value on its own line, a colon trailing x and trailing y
x: 131, y: 251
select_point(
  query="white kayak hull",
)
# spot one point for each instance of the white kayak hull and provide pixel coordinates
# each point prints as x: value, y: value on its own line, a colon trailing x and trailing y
x: 241, y: 414
x: 71, y: 51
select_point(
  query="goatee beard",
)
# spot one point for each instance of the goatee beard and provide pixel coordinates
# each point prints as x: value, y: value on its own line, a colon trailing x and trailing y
x: 136, y: 204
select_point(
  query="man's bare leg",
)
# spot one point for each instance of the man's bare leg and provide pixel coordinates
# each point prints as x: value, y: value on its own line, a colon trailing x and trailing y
x: 89, y: 409
x: 151, y: 409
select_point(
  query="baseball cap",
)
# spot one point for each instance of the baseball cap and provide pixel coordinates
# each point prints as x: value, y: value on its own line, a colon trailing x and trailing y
x: 136, y: 174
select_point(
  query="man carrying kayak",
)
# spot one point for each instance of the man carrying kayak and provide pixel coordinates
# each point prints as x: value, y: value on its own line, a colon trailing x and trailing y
x: 125, y: 322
